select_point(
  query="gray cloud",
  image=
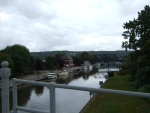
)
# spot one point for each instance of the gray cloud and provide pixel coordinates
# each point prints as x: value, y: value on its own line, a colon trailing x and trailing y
x: 44, y: 25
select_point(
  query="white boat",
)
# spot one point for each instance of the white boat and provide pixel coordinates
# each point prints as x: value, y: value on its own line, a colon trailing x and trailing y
x: 63, y: 73
x: 90, y: 67
x: 51, y: 75
x: 85, y: 67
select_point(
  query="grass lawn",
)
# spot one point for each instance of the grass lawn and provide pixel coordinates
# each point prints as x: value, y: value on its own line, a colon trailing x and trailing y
x: 112, y: 103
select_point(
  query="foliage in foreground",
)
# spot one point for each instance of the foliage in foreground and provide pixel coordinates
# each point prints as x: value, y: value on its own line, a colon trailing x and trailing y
x: 137, y: 37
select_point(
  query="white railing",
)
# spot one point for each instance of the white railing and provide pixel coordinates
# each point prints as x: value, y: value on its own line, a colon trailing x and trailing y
x: 5, y: 73
x: 52, y: 87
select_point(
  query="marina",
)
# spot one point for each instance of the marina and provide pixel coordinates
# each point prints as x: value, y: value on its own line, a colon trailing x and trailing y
x: 37, y: 96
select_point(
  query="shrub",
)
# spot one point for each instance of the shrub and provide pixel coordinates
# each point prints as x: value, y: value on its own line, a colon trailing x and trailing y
x: 142, y: 77
x: 145, y: 88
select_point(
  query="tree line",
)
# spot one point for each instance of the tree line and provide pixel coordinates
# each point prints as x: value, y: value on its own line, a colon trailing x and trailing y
x: 137, y: 38
x: 22, y: 62
x: 42, y: 54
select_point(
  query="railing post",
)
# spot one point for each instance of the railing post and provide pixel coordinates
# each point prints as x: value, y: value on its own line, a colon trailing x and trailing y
x: 4, y: 74
x: 14, y: 94
x: 52, y: 98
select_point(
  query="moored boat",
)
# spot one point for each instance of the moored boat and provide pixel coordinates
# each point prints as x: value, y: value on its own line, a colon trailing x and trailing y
x: 51, y: 75
x: 63, y: 73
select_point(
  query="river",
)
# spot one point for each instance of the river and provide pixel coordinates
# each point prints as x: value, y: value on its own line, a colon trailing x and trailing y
x: 67, y: 101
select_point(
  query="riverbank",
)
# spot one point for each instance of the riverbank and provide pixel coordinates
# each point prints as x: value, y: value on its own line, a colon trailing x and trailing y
x: 38, y: 97
x: 112, y: 103
x: 40, y: 75
x: 36, y: 76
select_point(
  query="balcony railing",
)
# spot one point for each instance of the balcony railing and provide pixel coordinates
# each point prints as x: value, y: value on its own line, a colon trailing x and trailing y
x: 52, y: 86
x: 5, y: 73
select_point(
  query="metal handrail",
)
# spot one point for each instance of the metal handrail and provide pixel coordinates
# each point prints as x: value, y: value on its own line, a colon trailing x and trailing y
x: 52, y: 87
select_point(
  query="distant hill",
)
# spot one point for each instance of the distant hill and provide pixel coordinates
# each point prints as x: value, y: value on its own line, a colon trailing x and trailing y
x: 119, y: 53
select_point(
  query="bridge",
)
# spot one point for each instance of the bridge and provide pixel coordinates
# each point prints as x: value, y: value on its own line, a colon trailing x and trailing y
x: 108, y: 60
x: 107, y: 57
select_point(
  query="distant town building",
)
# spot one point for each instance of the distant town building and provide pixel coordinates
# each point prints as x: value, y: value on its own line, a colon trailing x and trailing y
x: 68, y: 61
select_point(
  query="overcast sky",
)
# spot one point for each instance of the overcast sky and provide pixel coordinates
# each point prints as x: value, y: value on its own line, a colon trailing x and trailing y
x: 79, y: 25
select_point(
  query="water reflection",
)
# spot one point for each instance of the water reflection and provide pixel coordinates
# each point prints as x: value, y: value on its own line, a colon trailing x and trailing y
x: 85, y: 74
x: 67, y: 101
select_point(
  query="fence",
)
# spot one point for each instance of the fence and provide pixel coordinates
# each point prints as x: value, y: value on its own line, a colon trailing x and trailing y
x: 5, y: 73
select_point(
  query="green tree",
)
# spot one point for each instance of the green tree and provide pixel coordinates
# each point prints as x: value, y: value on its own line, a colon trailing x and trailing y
x: 137, y: 37
x: 138, y: 30
x: 77, y: 60
x: 22, y: 60
x: 125, y: 45
x: 39, y: 64
x: 59, y: 61
x: 6, y: 57
x: 54, y: 61
x: 50, y: 63
x: 86, y: 56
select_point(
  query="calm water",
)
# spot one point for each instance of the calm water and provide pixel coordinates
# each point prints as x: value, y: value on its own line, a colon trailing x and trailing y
x: 67, y: 101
